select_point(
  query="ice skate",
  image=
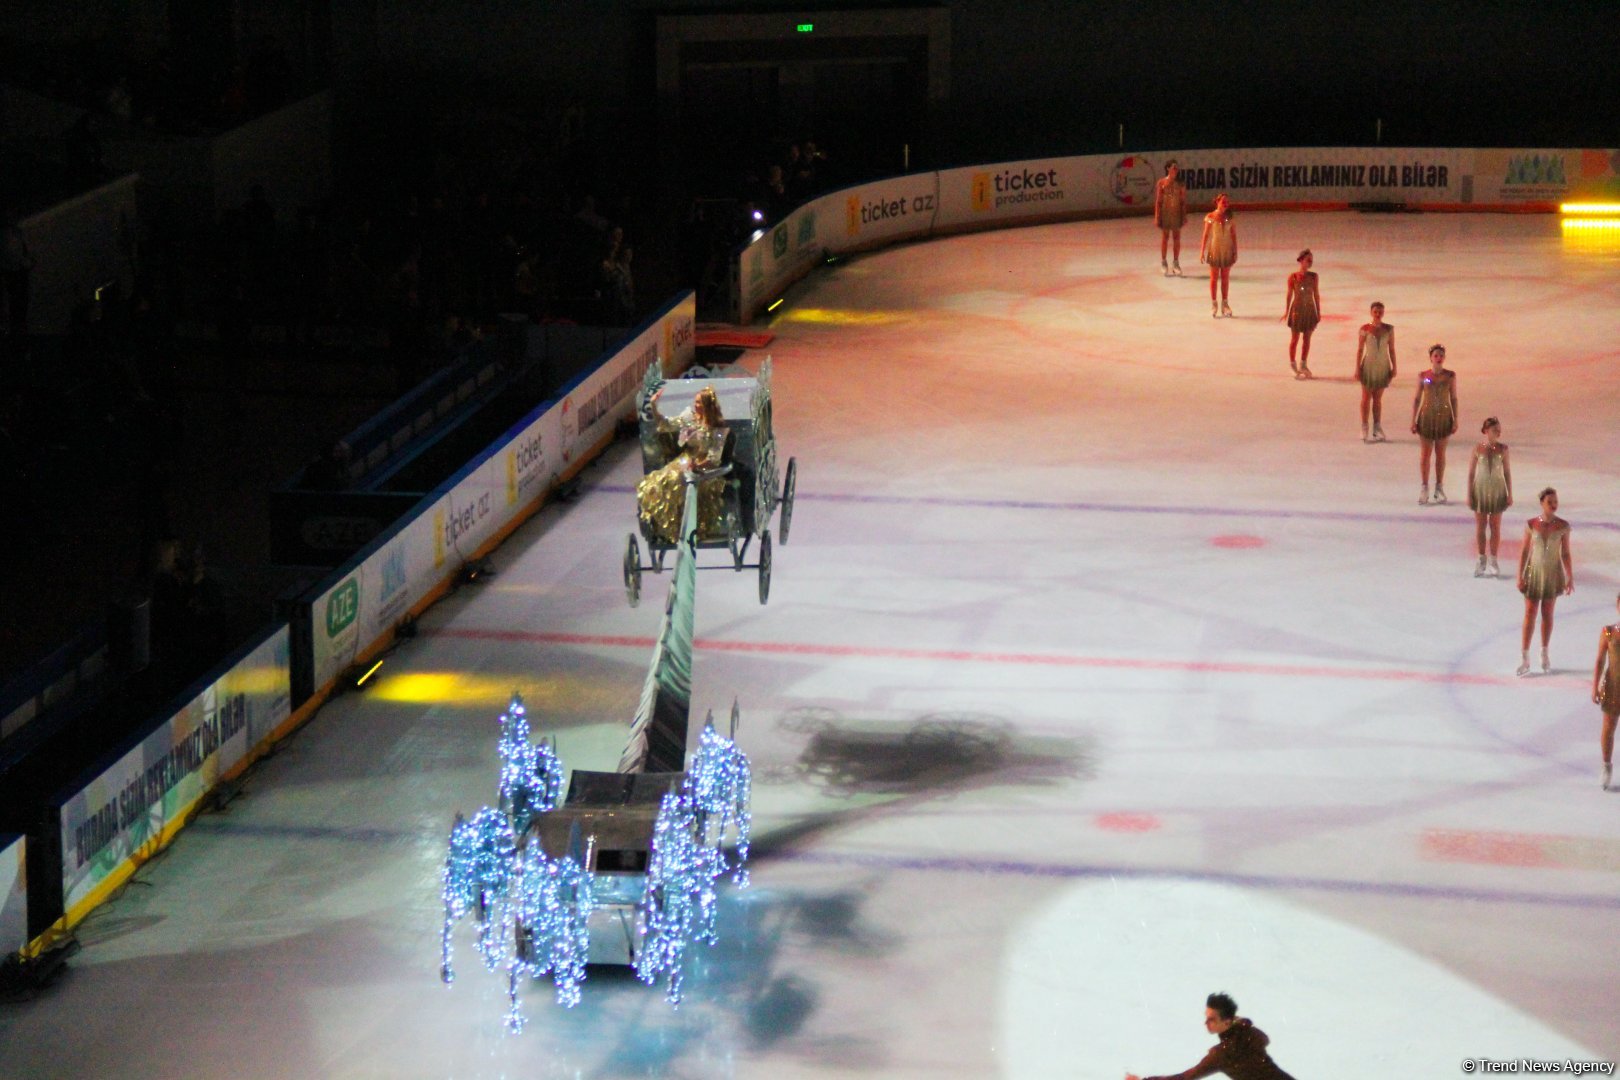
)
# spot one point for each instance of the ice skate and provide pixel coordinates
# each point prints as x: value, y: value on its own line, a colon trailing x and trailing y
x: 1226, y: 312
x: 1214, y: 310
x: 1546, y: 665
x: 1364, y: 436
x: 1479, y: 568
x: 1439, y: 494
x: 1423, y: 496
x: 1494, y: 571
x: 1606, y: 774
x: 1524, y: 665
x: 1164, y: 268
x: 1175, y: 269
x: 1378, y: 433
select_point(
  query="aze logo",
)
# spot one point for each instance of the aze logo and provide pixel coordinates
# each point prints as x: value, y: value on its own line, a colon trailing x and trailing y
x: 342, y: 607
x: 779, y: 241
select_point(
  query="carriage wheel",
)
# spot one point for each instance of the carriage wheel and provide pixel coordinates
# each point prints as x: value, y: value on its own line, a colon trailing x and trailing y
x: 788, y: 486
x: 764, y: 566
x: 632, y: 571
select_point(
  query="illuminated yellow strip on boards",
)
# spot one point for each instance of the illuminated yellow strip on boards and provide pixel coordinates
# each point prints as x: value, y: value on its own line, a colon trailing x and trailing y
x: 1600, y: 209
x: 1590, y: 224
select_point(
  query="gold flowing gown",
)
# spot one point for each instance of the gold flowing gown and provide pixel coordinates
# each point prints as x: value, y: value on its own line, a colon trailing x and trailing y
x: 659, y: 495
x: 1172, y: 204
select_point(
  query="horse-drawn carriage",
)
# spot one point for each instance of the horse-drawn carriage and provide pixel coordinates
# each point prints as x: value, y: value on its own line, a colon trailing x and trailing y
x: 742, y: 486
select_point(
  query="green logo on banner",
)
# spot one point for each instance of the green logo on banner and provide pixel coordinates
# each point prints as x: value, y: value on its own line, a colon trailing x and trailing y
x: 779, y: 241
x: 342, y: 607
x: 807, y: 229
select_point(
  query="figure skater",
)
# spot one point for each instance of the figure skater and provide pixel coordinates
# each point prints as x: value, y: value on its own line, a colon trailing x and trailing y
x: 1170, y: 215
x: 1606, y: 691
x: 1218, y: 247
x: 1490, y: 491
x: 699, y: 434
x: 1375, y: 369
x: 1241, y: 1053
x: 1434, y: 420
x: 1302, y: 310
x: 1545, y: 572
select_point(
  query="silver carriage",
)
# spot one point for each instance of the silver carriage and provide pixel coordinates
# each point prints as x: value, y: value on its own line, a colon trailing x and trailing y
x: 748, y: 466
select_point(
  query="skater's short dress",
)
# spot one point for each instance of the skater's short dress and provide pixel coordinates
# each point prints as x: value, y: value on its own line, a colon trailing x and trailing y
x: 1222, y: 247
x: 1434, y: 419
x: 1377, y: 369
x: 1172, y: 204
x: 1302, y: 313
x: 1544, y: 570
x: 1609, y: 689
x: 1489, y: 494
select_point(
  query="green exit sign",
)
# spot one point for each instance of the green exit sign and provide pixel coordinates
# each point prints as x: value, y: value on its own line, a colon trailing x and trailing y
x: 805, y: 27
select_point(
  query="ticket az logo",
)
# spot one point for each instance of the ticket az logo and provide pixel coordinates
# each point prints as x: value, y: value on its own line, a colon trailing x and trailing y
x: 858, y: 212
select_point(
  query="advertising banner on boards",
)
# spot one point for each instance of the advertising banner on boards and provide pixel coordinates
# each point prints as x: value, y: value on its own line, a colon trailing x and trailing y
x: 885, y: 212
x: 986, y: 196
x: 130, y: 804
x: 1311, y: 175
x: 13, y: 895
x: 1522, y: 176
x: 785, y: 252
x: 504, y: 483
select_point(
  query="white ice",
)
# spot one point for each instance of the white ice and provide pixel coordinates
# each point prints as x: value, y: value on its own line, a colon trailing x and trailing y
x: 1105, y: 667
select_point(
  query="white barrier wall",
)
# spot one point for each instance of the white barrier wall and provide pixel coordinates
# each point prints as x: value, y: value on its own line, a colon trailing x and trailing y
x: 1024, y: 192
x: 488, y: 497
x: 133, y: 805
x: 13, y: 895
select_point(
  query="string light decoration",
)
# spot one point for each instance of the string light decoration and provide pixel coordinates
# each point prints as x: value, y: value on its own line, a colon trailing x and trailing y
x: 679, y: 906
x: 721, y: 782
x: 544, y: 918
x: 476, y: 873
x: 531, y: 775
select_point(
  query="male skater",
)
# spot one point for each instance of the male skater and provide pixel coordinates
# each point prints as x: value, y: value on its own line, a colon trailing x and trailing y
x: 1241, y: 1053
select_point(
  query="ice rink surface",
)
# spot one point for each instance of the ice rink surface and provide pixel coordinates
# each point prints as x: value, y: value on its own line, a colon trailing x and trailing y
x: 1106, y: 667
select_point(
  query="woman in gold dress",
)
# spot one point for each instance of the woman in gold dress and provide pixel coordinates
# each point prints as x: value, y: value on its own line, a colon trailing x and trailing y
x: 1170, y: 215
x: 1375, y: 369
x: 700, y: 436
x: 1606, y: 691
x: 1302, y: 310
x: 1490, y: 491
x: 1434, y: 420
x: 1545, y: 573
x: 1219, y: 248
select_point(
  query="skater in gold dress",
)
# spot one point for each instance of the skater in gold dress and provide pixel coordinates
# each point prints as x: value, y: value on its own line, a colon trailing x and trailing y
x: 1218, y: 247
x: 1490, y: 491
x: 1302, y: 310
x: 1375, y: 370
x: 699, y: 434
x: 1606, y: 691
x: 1170, y: 215
x: 1434, y: 420
x: 1545, y: 573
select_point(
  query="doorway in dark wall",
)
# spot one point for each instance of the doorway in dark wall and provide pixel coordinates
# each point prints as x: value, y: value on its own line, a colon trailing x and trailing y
x: 863, y: 114
x: 729, y: 114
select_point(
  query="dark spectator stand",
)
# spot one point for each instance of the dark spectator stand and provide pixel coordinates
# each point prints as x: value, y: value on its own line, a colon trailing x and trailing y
x: 382, y: 468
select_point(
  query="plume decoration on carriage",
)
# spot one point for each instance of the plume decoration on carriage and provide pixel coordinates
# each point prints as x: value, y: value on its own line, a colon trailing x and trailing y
x: 765, y: 478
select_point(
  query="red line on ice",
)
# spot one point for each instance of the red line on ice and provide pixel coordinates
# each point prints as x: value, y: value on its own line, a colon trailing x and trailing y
x: 968, y: 656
